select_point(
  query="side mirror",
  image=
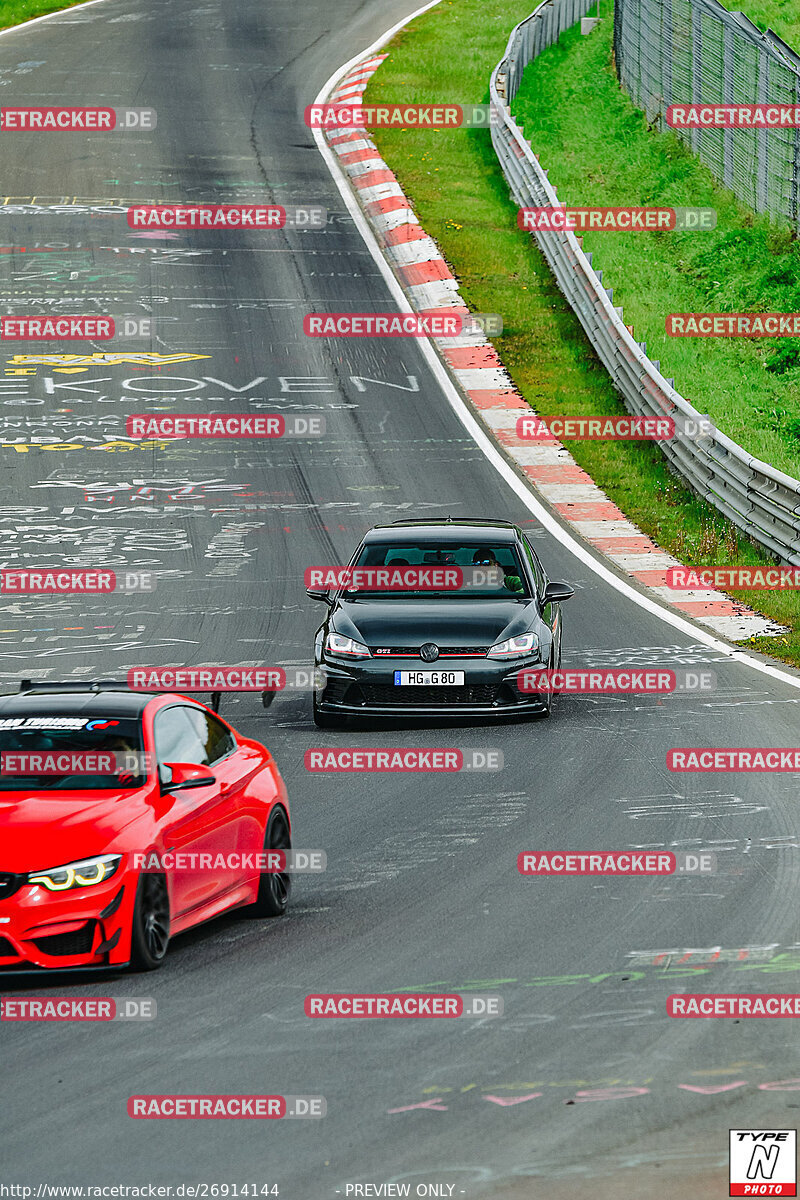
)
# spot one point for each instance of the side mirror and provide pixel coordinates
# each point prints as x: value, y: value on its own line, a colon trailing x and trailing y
x: 557, y: 593
x: 187, y: 775
x: 320, y: 594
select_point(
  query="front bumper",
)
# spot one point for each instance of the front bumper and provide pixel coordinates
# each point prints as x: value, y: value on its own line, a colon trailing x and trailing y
x: 88, y: 927
x: 367, y: 686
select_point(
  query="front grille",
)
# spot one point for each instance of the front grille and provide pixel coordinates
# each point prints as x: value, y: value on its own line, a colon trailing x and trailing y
x: 78, y: 941
x: 6, y: 949
x: 10, y: 883
x: 428, y: 697
x: 444, y: 652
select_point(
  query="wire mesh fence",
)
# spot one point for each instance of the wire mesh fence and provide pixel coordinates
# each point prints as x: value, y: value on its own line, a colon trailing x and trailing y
x: 761, y: 500
x: 697, y: 52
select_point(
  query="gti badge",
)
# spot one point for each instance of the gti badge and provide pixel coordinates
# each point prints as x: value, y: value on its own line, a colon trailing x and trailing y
x: 429, y: 652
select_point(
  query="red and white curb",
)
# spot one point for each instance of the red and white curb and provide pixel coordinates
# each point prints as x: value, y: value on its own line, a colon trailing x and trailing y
x: 478, y: 370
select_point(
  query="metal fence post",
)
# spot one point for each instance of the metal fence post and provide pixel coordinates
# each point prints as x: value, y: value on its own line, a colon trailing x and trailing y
x: 794, y: 194
x: 697, y: 68
x: 666, y: 61
x: 728, y: 52
x: 762, y: 190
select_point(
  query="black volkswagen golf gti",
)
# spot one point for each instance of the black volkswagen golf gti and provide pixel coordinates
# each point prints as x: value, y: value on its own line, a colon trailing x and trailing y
x: 425, y: 652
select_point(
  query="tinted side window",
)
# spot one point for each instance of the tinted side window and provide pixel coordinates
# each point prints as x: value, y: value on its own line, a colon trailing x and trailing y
x: 216, y: 740
x: 176, y: 739
x: 535, y: 565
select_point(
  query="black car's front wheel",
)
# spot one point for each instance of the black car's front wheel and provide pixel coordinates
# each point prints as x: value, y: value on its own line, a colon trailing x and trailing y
x: 548, y: 696
x: 150, y: 931
x: 274, y: 888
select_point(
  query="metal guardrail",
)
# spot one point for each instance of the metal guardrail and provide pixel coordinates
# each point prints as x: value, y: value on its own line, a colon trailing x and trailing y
x: 760, y: 500
x: 696, y: 51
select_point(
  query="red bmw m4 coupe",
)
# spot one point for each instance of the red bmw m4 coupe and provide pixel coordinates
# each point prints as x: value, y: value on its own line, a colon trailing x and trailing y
x: 126, y: 818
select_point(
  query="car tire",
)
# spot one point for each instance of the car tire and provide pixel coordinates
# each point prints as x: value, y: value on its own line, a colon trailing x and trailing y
x: 150, y: 925
x: 548, y: 704
x: 274, y: 890
x: 557, y: 665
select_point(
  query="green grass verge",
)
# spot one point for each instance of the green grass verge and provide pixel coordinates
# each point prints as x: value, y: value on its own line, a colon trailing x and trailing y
x: 750, y: 387
x: 14, y: 12
x: 781, y: 16
x: 461, y: 198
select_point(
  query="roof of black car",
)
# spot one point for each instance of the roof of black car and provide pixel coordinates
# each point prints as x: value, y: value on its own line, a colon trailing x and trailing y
x: 108, y: 702
x: 445, y: 531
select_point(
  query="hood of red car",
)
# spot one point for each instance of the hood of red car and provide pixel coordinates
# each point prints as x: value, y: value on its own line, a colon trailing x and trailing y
x: 48, y: 829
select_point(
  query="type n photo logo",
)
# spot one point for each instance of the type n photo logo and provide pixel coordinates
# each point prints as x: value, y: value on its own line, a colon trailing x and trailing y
x: 763, y: 1162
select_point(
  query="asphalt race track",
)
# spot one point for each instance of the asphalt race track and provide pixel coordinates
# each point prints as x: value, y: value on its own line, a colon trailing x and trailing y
x: 585, y: 1086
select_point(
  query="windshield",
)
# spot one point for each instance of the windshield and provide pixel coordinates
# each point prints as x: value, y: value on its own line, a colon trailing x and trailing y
x: 64, y: 751
x: 474, y: 569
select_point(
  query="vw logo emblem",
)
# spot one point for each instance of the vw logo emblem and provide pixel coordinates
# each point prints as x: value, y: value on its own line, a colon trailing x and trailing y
x: 429, y: 652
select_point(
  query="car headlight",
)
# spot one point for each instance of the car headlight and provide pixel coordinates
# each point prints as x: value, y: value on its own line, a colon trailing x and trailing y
x: 515, y: 647
x: 348, y: 647
x: 85, y: 873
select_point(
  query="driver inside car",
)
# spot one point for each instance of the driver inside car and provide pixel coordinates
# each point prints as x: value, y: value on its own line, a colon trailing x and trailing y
x: 487, y: 558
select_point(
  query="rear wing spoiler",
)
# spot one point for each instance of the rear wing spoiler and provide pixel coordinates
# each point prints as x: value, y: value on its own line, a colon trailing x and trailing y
x: 114, y: 685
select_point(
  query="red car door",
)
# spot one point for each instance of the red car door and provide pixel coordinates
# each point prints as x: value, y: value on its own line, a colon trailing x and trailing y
x: 202, y: 824
x: 237, y: 768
